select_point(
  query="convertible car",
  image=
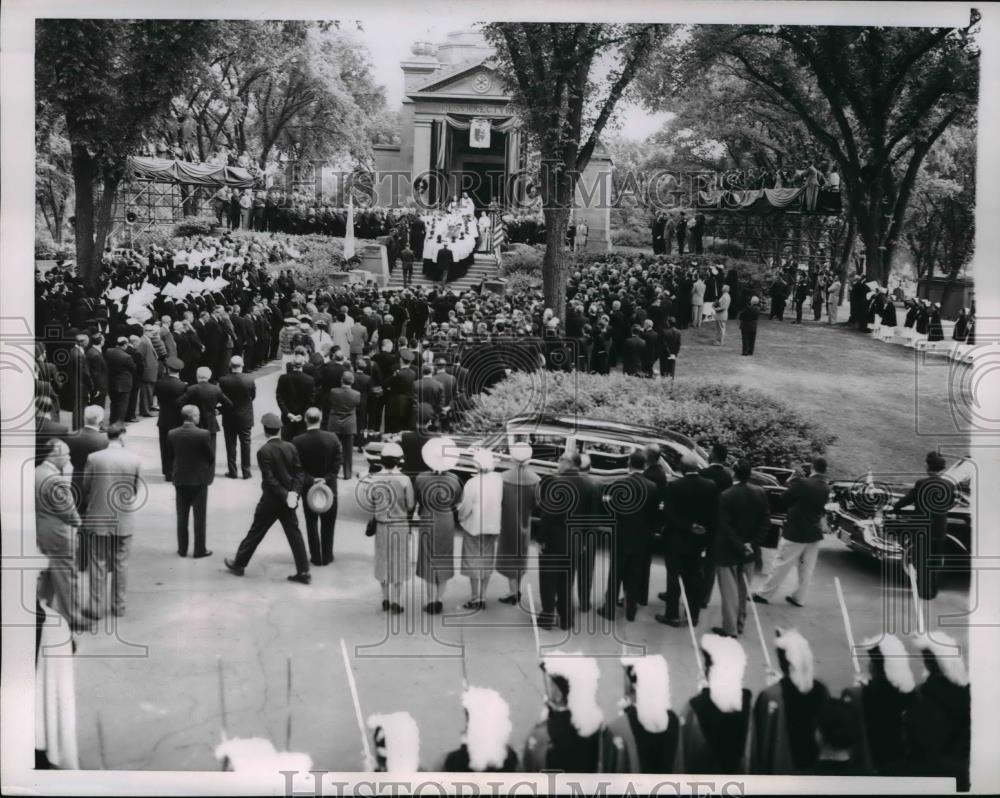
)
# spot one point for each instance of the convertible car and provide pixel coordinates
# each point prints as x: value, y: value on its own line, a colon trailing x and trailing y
x: 608, y: 444
x: 860, y: 515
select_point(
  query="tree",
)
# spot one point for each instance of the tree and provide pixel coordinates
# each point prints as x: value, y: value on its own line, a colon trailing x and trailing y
x: 553, y: 73
x: 53, y: 171
x: 109, y: 80
x: 874, y: 99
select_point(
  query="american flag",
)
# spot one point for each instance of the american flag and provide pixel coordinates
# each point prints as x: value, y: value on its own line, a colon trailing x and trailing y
x: 499, y: 232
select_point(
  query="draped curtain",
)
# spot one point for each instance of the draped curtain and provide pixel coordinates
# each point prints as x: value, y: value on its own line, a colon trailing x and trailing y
x: 756, y: 199
x: 194, y: 174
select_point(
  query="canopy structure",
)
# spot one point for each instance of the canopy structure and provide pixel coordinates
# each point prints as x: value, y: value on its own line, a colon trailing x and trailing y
x: 769, y: 200
x: 163, y: 170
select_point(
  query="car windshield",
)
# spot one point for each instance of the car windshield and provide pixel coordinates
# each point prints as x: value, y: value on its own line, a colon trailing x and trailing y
x: 962, y: 473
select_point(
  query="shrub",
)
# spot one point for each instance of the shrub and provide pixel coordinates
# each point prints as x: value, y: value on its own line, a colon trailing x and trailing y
x: 752, y: 424
x: 632, y: 237
x: 730, y: 249
x: 522, y: 258
x: 195, y: 226
x: 142, y: 241
x: 523, y: 282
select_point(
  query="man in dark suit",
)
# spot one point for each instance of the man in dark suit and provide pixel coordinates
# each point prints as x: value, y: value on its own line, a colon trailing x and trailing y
x: 194, y: 470
x: 748, y: 325
x: 632, y: 353
x: 670, y: 348
x: 801, y: 536
x: 692, y: 504
x: 632, y: 502
x: 744, y: 521
x: 412, y: 443
x: 585, y: 537
x: 98, y: 371
x: 86, y: 440
x: 46, y: 429
x: 429, y: 391
x: 343, y: 419
x: 206, y: 397
x: 167, y: 391
x: 445, y: 263
x: 327, y: 377
x: 449, y: 386
x: 719, y: 473
x: 237, y: 419
x: 213, y: 339
x: 122, y: 373
x: 320, y: 453
x: 932, y: 496
x: 78, y: 379
x: 294, y: 394
x: 281, y: 486
x: 566, y: 498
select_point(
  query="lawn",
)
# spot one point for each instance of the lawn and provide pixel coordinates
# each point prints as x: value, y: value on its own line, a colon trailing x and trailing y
x: 887, y: 406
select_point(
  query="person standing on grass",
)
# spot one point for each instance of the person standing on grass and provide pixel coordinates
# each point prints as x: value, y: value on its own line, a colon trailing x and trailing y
x: 721, y: 307
x: 832, y: 300
x: 697, y: 300
x: 670, y: 348
x: 748, y: 325
x: 801, y: 536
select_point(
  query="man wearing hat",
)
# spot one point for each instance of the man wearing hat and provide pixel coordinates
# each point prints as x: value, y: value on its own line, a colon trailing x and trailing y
x: 281, y: 485
x: 647, y: 725
x: 320, y: 453
x: 168, y: 390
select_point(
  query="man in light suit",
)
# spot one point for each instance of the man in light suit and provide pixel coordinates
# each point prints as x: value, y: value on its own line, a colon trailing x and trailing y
x: 150, y: 373
x: 55, y: 519
x: 237, y: 420
x: 320, y: 453
x: 343, y: 422
x: 111, y: 491
x: 194, y: 470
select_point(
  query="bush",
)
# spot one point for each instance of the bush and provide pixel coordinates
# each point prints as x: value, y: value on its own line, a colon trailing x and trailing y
x: 195, y: 226
x: 523, y: 282
x: 632, y: 237
x: 730, y: 249
x: 751, y: 423
x: 144, y: 240
x: 522, y: 258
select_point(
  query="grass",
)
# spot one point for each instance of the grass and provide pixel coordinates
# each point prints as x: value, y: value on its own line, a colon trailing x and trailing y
x: 887, y: 406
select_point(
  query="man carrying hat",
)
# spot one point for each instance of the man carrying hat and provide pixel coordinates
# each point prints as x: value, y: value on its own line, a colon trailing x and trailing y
x: 320, y: 453
x: 281, y: 485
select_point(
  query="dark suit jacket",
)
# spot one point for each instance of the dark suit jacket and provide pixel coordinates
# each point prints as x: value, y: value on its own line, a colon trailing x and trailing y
x: 448, y: 384
x: 748, y: 318
x: 327, y: 377
x: 744, y: 517
x: 343, y: 403
x: 241, y: 391
x: 98, y: 368
x: 168, y: 390
x: 294, y: 393
x: 280, y: 469
x: 431, y: 392
x: 194, y: 459
x: 671, y: 341
x: 45, y: 430
x: 806, y: 502
x: 81, y: 444
x: 931, y: 496
x: 121, y: 369
x: 692, y: 499
x: 719, y: 474
x: 632, y: 353
x: 412, y: 443
x: 633, y: 502
x: 206, y: 397
x: 562, y: 497
x: 321, y: 456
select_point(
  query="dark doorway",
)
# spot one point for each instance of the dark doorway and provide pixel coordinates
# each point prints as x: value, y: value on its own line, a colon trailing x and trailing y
x: 477, y: 170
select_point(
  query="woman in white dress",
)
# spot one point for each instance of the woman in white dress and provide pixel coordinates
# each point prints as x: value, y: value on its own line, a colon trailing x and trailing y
x: 479, y: 515
x: 389, y: 496
x: 485, y: 230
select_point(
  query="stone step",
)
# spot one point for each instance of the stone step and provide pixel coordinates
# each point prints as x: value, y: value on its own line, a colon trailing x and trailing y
x: 483, y: 267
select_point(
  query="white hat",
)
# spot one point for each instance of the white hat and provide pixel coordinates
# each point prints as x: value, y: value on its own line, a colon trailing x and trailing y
x: 440, y: 454
x: 483, y: 459
x: 895, y: 661
x: 948, y: 655
x: 652, y: 691
x: 402, y: 741
x: 488, y: 729
x: 799, y: 656
x: 725, y: 676
x: 582, y: 675
x: 392, y: 450
x: 520, y: 452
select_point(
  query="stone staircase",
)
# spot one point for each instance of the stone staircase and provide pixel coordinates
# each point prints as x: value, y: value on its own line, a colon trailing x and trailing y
x: 484, y: 267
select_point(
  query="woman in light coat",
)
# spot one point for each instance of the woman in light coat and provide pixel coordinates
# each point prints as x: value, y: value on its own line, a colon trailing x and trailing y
x: 479, y: 515
x: 438, y: 494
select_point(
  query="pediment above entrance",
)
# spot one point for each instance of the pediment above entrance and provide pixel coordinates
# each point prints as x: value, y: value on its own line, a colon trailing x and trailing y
x: 476, y: 79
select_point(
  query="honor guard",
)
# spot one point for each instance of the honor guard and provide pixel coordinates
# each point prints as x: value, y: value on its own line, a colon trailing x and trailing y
x: 397, y: 742
x: 882, y: 700
x: 648, y: 726
x: 786, y: 713
x: 716, y: 724
x: 572, y: 736
x: 485, y: 747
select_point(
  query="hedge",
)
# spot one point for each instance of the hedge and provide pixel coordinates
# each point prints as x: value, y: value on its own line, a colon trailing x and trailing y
x: 749, y: 422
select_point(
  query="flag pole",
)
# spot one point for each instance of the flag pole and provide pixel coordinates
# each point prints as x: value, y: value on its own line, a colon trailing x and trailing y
x: 756, y: 620
x: 288, y: 701
x: 847, y: 626
x: 366, y: 747
x: 694, y: 637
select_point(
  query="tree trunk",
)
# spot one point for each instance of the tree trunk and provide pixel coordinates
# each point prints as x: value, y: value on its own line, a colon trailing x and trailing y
x: 554, y: 265
x: 84, y: 174
x: 848, y: 248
